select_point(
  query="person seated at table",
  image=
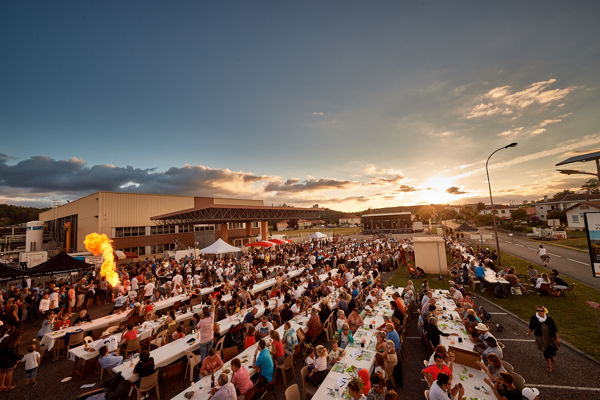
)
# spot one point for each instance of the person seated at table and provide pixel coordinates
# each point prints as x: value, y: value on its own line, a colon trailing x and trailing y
x: 492, y: 366
x: 397, y: 313
x: 130, y: 334
x: 380, y: 337
x: 367, y: 310
x: 108, y: 360
x: 480, y: 274
x: 290, y: 338
x: 314, y: 325
x: 354, y: 320
x: 378, y: 388
x: 355, y: 389
x: 442, y: 389
x: 471, y: 321
x: 310, y: 358
x: 559, y: 285
x: 241, y: 377
x: 431, y: 372
x: 178, y: 334
x: 145, y: 366
x: 250, y: 317
x: 341, y: 319
x: 319, y: 372
x: 249, y: 337
x: 225, y: 391
x: 277, y: 351
x: 264, y: 327
x: 336, y: 353
x: 393, y: 335
x: 82, y: 317
x: 379, y: 366
x: 492, y: 347
x: 148, y: 307
x: 543, y: 285
x: 212, y: 363
x: 120, y: 303
x: 63, y: 322
x: 433, y: 333
x: 344, y: 336
x: 324, y: 311
x: 264, y: 365
x: 504, y: 387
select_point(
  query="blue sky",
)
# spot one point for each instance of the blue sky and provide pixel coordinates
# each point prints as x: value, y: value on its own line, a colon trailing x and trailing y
x: 348, y: 104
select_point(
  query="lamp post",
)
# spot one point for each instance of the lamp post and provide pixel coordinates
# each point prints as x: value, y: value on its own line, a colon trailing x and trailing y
x: 492, y: 200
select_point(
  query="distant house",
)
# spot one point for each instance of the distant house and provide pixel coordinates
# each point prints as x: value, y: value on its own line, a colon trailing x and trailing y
x: 576, y: 211
x: 501, y: 211
x: 543, y: 207
x: 350, y: 220
x: 282, y: 225
x: 304, y: 224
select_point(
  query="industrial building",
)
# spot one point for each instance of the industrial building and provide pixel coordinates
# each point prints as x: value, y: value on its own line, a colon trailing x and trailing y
x: 149, y: 224
x: 398, y: 222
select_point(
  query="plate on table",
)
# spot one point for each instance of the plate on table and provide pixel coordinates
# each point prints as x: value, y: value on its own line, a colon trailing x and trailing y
x: 339, y: 367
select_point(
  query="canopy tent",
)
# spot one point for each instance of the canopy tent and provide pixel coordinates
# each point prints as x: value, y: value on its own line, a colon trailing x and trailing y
x: 263, y: 243
x: 220, y: 247
x: 318, y: 235
x: 280, y: 241
x: 7, y: 273
x: 62, y: 263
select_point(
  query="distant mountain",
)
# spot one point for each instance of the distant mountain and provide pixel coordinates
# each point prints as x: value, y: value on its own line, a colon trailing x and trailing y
x: 13, y: 215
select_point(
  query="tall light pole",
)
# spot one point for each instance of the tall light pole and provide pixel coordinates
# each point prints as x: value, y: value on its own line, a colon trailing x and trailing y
x: 492, y: 200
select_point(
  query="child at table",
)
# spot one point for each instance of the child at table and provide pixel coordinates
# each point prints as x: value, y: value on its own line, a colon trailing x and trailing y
x: 250, y: 338
x: 336, y: 353
x: 310, y: 358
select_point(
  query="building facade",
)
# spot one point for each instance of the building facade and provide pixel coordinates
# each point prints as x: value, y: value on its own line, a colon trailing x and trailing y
x: 126, y: 219
x: 576, y: 212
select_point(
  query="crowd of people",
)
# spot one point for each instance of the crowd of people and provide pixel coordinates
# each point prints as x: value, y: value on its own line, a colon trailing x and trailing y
x: 352, y: 268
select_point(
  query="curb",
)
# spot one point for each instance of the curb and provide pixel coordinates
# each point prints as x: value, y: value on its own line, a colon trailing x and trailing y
x: 562, y: 341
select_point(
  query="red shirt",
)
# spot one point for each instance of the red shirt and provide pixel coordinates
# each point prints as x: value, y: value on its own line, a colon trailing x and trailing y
x: 433, y: 370
x: 249, y: 341
x: 130, y: 335
x: 278, y: 349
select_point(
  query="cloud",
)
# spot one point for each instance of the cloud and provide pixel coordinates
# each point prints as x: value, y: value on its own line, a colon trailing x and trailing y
x: 503, y: 101
x: 308, y: 185
x: 455, y: 190
x: 512, y: 132
x: 371, y: 169
x: 407, y: 189
x: 538, y: 131
x: 43, y: 175
x: 318, y: 113
x: 547, y: 122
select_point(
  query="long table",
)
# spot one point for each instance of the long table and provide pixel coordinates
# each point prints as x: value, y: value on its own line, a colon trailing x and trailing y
x: 359, y: 355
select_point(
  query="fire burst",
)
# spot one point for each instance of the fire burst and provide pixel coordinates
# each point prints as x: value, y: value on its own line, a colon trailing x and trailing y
x: 101, y: 244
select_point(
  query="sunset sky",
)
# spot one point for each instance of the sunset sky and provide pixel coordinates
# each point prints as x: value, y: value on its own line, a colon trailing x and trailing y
x: 348, y: 104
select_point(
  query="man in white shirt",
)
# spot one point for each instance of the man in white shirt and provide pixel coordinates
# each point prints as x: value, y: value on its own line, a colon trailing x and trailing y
x: 44, y: 304
x: 135, y: 284
x: 442, y: 389
x: 149, y: 289
x: 177, y: 279
x: 53, y: 298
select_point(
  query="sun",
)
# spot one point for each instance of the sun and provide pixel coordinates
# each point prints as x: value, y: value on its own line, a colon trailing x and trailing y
x: 434, y: 190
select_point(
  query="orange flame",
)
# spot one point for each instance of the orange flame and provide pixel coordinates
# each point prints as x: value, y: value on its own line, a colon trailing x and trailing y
x: 101, y: 244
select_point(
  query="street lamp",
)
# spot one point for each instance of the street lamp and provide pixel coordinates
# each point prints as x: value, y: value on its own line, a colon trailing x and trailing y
x: 492, y: 200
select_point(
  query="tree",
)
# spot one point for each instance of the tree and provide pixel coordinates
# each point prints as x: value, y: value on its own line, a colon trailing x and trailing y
x: 557, y: 214
x: 480, y: 206
x: 518, y: 214
x: 562, y: 194
x: 591, y: 186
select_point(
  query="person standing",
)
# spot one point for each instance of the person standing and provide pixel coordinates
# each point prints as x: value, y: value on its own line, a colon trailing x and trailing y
x: 546, y: 336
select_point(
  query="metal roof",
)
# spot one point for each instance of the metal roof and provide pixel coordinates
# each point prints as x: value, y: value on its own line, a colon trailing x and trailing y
x: 387, y: 214
x: 581, y: 158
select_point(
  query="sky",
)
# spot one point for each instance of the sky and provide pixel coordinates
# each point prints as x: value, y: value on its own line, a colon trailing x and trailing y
x: 346, y: 104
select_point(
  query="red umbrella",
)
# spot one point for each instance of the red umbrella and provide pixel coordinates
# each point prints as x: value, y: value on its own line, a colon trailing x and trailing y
x: 279, y: 241
x: 263, y: 243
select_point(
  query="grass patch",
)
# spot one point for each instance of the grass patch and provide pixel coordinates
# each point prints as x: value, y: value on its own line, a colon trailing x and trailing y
x: 575, y: 320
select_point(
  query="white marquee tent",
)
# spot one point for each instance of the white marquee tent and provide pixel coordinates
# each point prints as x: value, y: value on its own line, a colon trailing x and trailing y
x: 220, y: 247
x: 318, y: 235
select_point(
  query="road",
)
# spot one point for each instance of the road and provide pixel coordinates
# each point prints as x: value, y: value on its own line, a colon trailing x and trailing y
x: 572, y: 263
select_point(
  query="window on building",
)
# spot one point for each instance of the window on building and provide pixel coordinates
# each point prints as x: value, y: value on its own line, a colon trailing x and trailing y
x: 161, y: 248
x: 129, y: 231
x: 204, y: 227
x: 575, y: 218
x: 162, y: 229
x: 236, y: 225
x: 140, y: 251
x: 256, y: 224
x: 186, y: 228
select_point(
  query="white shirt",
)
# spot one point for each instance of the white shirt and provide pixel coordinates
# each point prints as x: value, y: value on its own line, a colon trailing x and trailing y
x: 44, y: 305
x: 437, y: 393
x: 321, y: 363
x: 149, y: 289
x: 177, y: 279
x: 542, y: 251
x: 134, y: 284
x: 53, y: 300
x: 31, y: 360
x: 295, y: 308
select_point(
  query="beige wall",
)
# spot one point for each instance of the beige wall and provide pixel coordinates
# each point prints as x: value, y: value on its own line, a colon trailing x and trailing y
x: 87, y: 210
x: 129, y: 209
x: 238, y: 202
x: 430, y: 254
